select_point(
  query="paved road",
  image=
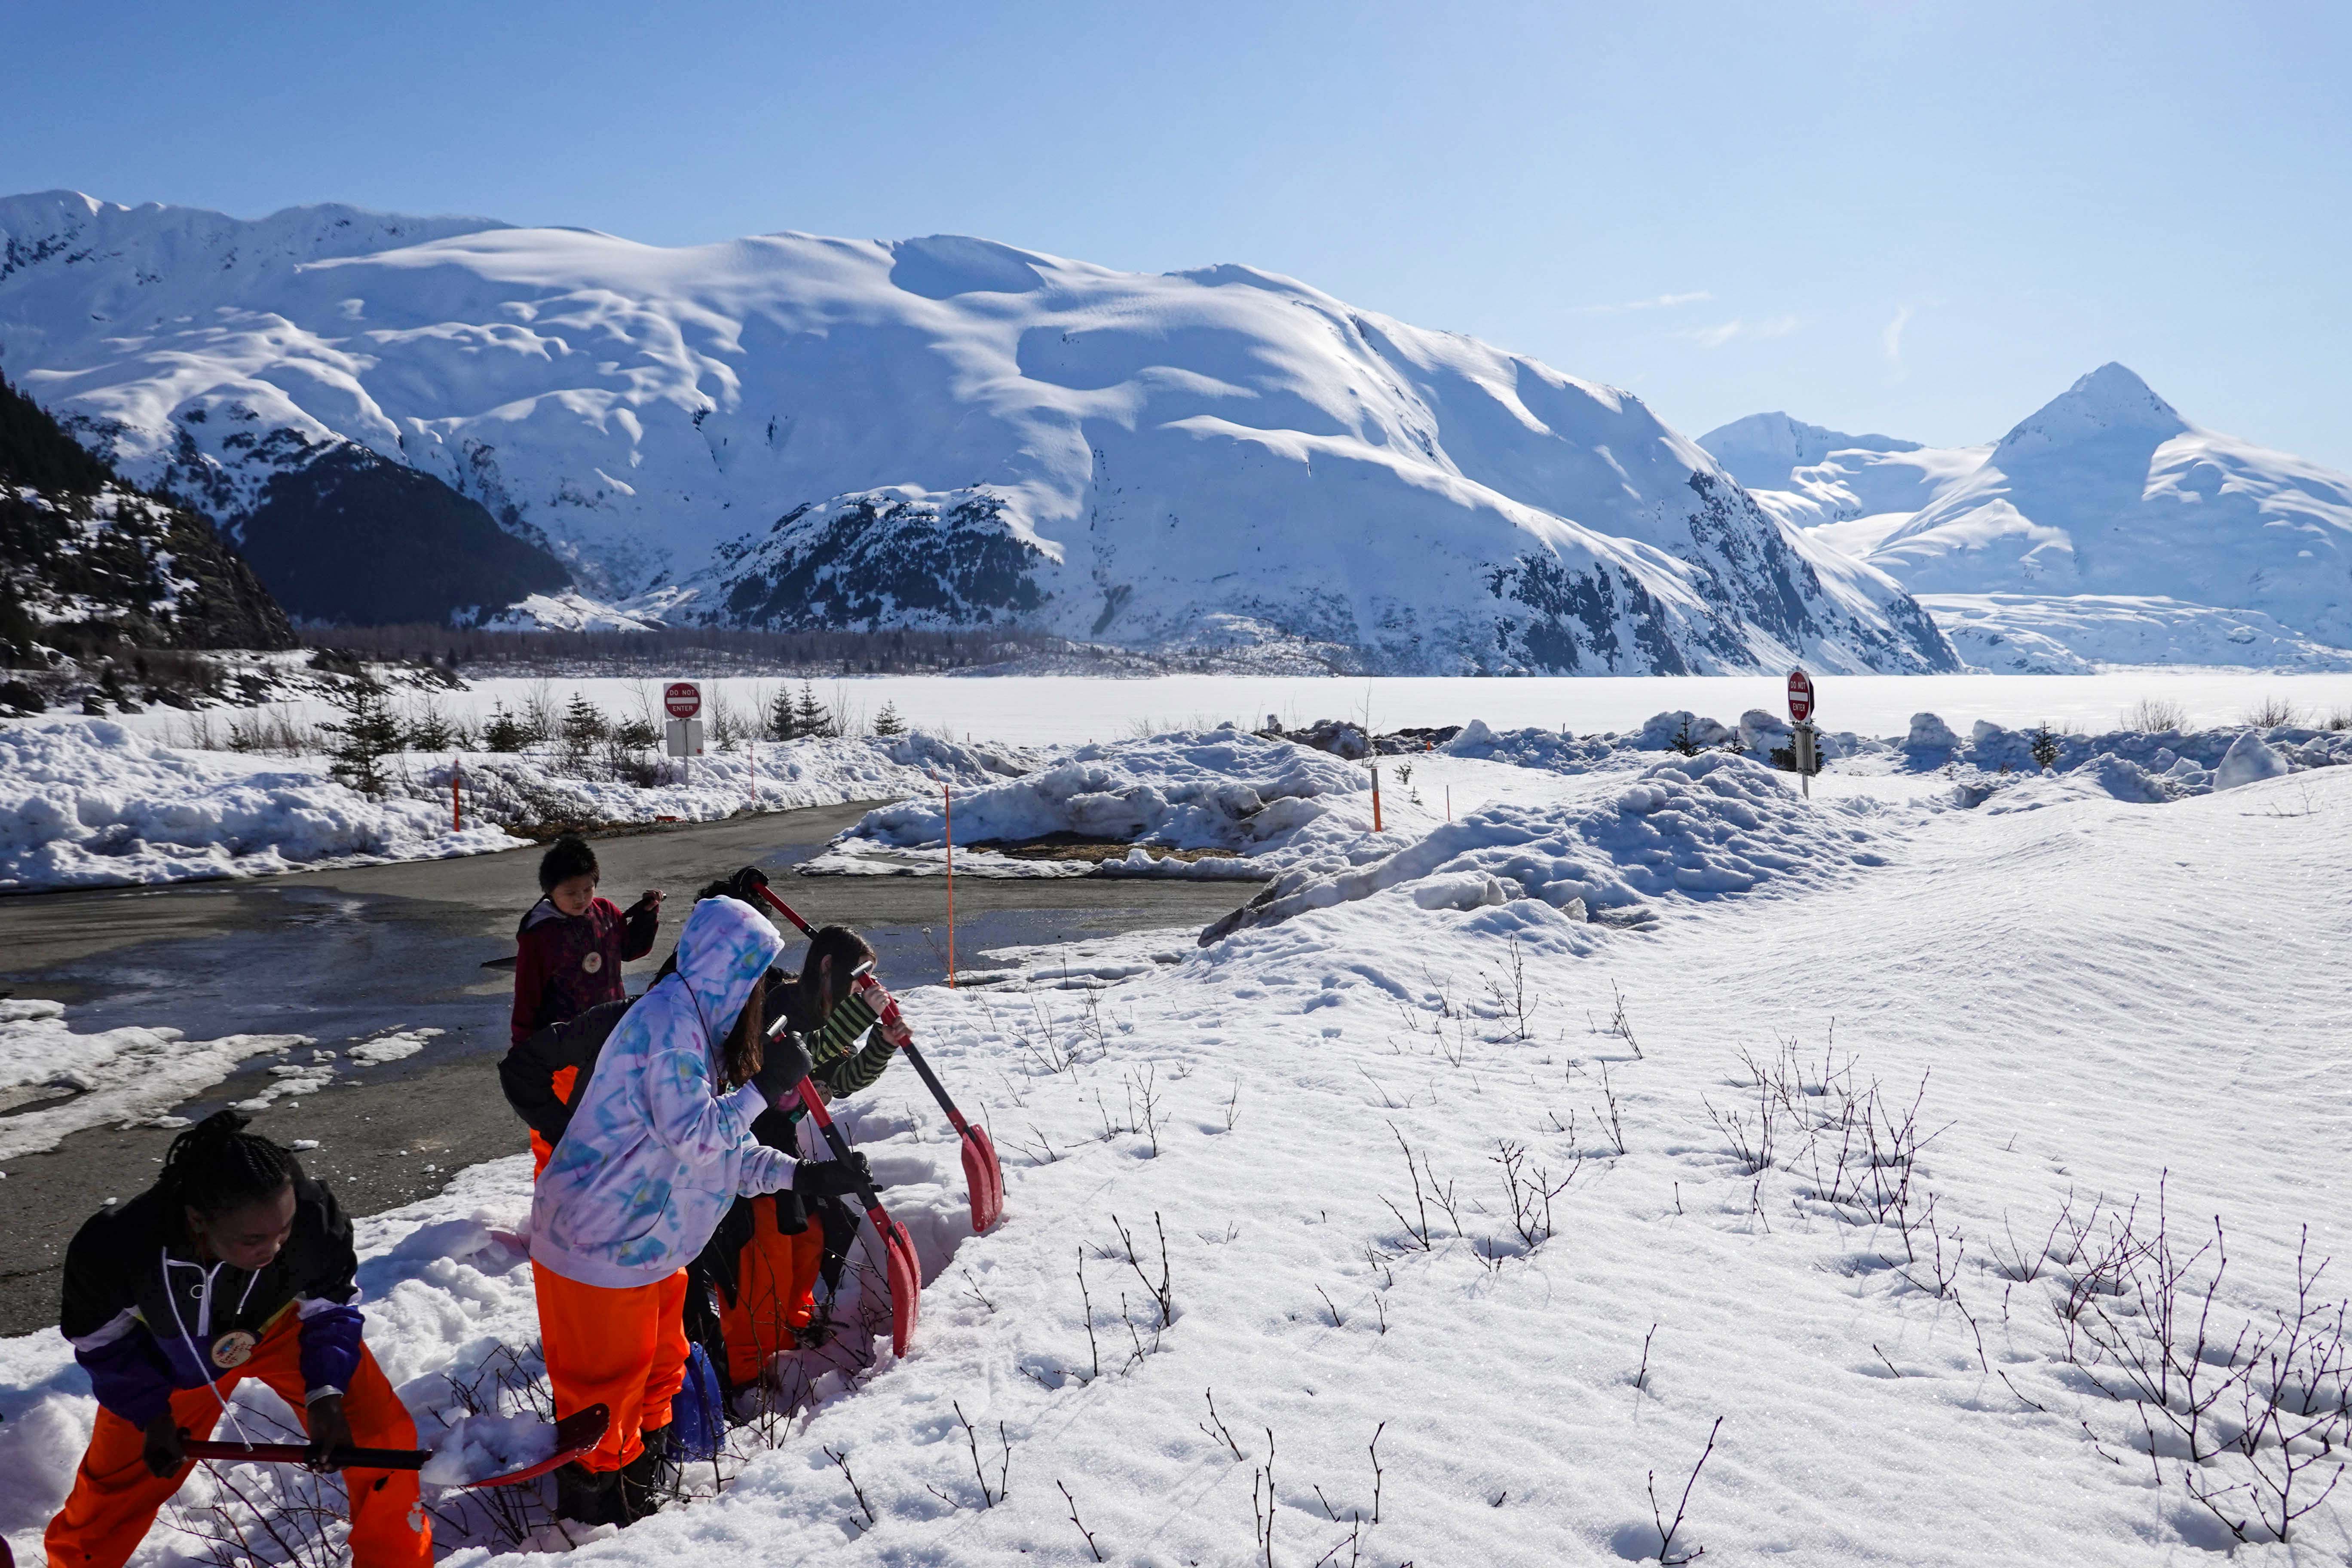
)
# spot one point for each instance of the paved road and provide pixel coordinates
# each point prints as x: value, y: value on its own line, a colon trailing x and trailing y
x: 338, y: 954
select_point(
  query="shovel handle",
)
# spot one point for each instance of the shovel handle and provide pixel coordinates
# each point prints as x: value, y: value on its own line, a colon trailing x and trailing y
x: 786, y: 910
x: 939, y: 1090
x: 840, y: 1146
x: 300, y: 1453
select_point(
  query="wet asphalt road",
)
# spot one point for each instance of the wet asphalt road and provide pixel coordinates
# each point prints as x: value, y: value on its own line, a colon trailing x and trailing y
x: 338, y: 954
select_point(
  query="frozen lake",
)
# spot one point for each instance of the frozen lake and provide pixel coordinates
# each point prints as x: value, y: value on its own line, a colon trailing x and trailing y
x: 1046, y: 709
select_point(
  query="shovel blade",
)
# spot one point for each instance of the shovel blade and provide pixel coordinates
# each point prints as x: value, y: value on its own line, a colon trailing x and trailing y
x: 983, y: 1178
x: 575, y: 1435
x: 906, y: 1281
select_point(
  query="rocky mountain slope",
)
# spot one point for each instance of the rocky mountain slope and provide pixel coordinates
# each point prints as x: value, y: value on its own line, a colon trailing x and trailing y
x: 791, y: 430
x: 88, y: 562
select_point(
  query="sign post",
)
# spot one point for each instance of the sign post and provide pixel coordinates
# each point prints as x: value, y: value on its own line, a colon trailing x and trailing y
x: 682, y: 700
x: 1805, y: 742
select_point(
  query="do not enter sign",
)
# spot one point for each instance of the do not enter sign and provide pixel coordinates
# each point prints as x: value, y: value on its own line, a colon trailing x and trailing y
x: 1800, y: 696
x: 684, y: 699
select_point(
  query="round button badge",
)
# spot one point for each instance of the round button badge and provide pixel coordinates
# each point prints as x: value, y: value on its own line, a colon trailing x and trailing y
x: 592, y: 962
x: 233, y: 1349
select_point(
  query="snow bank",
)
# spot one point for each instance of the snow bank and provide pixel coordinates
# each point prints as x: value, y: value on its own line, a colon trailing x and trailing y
x: 93, y: 804
x: 1696, y: 827
x: 1268, y: 801
x: 54, y: 1081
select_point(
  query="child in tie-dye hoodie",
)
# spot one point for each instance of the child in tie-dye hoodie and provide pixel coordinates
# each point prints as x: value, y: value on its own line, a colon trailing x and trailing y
x: 658, y: 1148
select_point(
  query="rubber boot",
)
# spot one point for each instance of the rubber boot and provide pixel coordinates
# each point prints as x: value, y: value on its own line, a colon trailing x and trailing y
x: 650, y: 1479
x: 588, y: 1497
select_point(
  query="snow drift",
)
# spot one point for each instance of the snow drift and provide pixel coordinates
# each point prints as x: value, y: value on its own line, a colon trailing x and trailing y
x: 1265, y: 802
x: 945, y: 431
x: 1696, y: 827
x: 54, y: 1081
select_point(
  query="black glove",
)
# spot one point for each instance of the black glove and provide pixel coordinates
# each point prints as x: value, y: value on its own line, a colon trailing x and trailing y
x: 785, y: 1061
x: 160, y: 1448
x: 815, y: 1179
x: 746, y: 885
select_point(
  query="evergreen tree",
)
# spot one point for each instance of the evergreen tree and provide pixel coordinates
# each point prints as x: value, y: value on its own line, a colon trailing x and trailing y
x: 583, y: 726
x: 2044, y: 747
x: 887, y: 723
x: 504, y: 732
x: 369, y: 733
x: 812, y: 717
x: 784, y: 718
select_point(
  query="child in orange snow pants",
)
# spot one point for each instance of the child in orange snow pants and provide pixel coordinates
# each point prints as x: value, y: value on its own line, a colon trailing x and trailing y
x: 115, y: 1496
x: 775, y: 1289
x: 623, y: 1348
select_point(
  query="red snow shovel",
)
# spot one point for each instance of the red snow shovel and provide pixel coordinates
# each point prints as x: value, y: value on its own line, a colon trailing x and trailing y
x: 984, y: 1175
x: 903, y: 1275
x: 575, y: 1435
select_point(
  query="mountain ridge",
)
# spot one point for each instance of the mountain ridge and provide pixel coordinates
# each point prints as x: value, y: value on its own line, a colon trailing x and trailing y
x: 687, y: 423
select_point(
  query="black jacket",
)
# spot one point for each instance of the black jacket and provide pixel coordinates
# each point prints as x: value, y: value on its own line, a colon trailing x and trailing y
x: 145, y: 1318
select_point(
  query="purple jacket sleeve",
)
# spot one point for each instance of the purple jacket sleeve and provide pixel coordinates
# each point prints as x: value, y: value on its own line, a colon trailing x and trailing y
x: 127, y: 1370
x: 329, y: 1300
x: 331, y: 1345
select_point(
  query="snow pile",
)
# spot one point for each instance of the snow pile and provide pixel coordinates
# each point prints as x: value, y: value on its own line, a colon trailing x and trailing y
x: 482, y: 1447
x: 94, y: 804
x: 1698, y: 827
x: 1263, y: 799
x: 54, y: 1081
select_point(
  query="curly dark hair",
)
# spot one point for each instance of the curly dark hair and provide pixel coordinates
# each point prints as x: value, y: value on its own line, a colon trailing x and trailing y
x: 567, y: 857
x: 216, y: 1167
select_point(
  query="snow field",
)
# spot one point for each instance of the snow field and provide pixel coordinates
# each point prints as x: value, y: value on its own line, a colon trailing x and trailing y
x: 2087, y: 1001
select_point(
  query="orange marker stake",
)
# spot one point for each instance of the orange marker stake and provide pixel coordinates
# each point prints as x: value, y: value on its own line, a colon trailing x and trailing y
x: 947, y: 806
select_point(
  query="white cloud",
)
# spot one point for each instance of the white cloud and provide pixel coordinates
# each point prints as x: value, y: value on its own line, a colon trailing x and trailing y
x: 1714, y: 337
x: 1891, y: 340
x: 1661, y: 302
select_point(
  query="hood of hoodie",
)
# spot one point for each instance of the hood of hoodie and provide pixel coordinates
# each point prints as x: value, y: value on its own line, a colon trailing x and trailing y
x: 725, y: 950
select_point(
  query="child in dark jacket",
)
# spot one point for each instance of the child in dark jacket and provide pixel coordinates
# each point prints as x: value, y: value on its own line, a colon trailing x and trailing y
x: 233, y: 1265
x: 570, y: 947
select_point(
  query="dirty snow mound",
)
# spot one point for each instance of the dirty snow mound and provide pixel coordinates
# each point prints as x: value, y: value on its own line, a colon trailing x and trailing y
x: 1696, y: 827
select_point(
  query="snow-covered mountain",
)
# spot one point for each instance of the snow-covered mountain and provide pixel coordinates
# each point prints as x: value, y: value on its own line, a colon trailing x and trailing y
x: 790, y: 430
x: 2104, y: 524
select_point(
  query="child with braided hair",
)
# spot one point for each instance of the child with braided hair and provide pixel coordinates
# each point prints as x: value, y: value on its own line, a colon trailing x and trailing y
x: 233, y: 1265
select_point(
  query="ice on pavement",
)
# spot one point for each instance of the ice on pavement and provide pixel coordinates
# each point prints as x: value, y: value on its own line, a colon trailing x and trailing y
x: 54, y: 1081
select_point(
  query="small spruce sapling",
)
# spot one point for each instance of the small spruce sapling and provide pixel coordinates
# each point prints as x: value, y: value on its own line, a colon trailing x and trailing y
x: 368, y: 734
x: 2043, y: 745
x: 887, y: 723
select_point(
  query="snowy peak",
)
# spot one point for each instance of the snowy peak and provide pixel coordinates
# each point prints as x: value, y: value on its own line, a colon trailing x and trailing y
x: 1761, y: 450
x: 2111, y: 402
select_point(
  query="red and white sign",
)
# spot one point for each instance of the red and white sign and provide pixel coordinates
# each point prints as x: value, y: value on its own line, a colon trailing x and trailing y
x: 684, y: 699
x: 1800, y: 696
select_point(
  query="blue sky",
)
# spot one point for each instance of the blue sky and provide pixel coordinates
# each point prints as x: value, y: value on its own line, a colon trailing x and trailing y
x: 1919, y: 218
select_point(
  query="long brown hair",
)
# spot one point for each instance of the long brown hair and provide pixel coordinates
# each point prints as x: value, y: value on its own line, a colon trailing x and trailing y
x: 744, y: 1052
